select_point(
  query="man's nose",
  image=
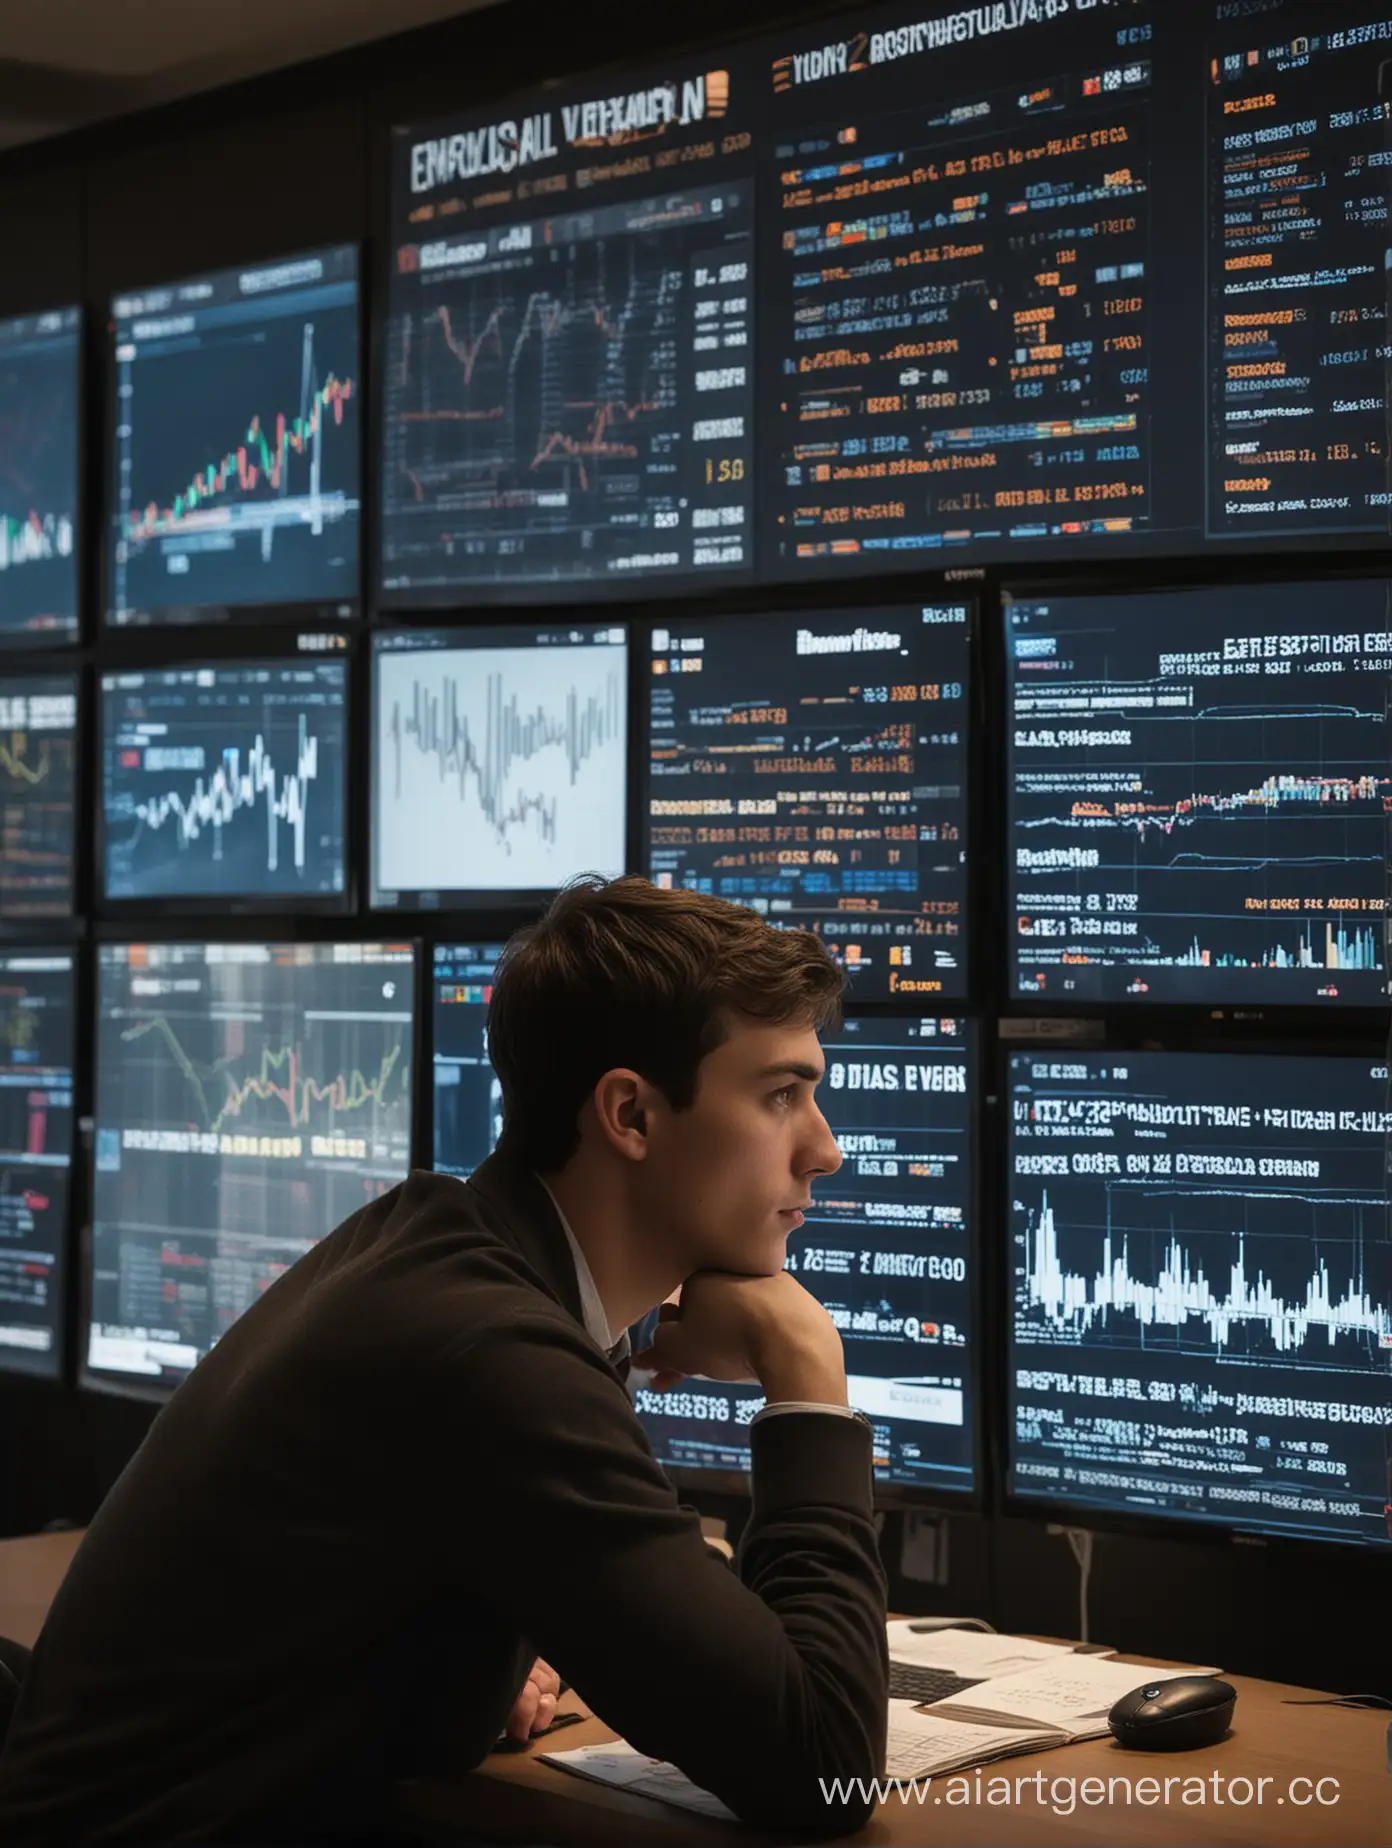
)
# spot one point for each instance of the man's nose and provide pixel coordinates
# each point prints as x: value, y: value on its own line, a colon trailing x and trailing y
x: 825, y: 1153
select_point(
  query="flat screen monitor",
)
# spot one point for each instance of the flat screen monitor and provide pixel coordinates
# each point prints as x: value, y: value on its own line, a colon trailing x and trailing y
x: 249, y: 1097
x: 225, y: 781
x: 236, y: 453
x: 466, y: 1098
x: 40, y: 369
x: 38, y: 789
x: 1199, y: 791
x: 569, y: 371
x: 36, y: 1134
x: 499, y: 762
x: 890, y: 1249
x: 1201, y: 1270
x: 815, y: 768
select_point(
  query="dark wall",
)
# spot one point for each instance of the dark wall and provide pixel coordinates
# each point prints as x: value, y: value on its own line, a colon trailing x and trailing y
x: 299, y: 159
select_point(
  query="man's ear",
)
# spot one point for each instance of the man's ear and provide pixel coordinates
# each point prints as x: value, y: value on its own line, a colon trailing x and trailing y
x: 620, y: 1101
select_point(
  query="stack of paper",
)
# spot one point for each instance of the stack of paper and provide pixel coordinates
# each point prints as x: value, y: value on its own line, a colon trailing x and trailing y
x: 922, y: 1744
x: 970, y: 1653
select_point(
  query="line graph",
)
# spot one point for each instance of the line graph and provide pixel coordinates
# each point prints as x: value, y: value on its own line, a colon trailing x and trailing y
x: 38, y: 745
x: 249, y: 1097
x: 537, y: 378
x: 206, y: 770
x: 259, y: 464
x: 1201, y: 1285
x: 1265, y: 800
x: 15, y: 764
x: 1111, y: 1302
x: 38, y: 538
x: 498, y: 768
x: 1201, y: 805
x: 546, y: 389
x: 231, y: 789
x: 39, y: 472
x: 279, y: 1076
x: 237, y: 465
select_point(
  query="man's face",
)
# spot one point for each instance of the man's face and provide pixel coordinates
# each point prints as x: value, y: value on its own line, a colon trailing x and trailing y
x: 726, y: 1179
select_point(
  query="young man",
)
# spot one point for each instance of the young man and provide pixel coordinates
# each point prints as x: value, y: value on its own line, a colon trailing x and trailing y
x: 412, y: 1468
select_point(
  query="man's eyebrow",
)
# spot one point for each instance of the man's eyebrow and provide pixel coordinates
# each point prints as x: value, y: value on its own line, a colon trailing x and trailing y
x: 796, y: 1068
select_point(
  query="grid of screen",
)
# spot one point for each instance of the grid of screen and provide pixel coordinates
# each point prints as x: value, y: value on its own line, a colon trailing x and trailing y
x: 1199, y: 794
x: 225, y: 781
x: 1202, y: 1289
x: 499, y: 762
x: 38, y: 788
x: 40, y: 364
x: 466, y: 1098
x: 235, y: 469
x: 890, y: 1248
x: 36, y: 1125
x: 249, y: 1097
x: 905, y: 290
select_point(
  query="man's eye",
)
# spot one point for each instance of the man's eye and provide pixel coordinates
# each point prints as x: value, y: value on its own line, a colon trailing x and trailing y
x: 786, y: 1095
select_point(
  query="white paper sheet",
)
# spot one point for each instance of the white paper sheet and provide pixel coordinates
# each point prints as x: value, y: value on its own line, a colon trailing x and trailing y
x: 968, y: 1652
x: 1072, y: 1692
x: 921, y: 1745
x: 621, y: 1765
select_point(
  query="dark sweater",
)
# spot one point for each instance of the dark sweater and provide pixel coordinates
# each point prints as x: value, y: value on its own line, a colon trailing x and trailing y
x: 406, y: 1471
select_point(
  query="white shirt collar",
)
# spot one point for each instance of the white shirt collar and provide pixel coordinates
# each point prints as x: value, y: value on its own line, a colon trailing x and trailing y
x: 591, y: 1306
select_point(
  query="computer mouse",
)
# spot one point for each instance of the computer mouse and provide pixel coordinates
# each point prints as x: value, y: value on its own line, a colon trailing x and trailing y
x: 1174, y: 1716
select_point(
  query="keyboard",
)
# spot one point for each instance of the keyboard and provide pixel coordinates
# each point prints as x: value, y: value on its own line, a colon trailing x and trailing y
x: 920, y: 1684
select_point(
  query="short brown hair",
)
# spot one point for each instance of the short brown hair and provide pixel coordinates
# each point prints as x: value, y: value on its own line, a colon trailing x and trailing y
x: 622, y: 973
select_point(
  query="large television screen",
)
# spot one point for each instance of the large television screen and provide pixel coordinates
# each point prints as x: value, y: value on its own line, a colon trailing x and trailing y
x: 890, y: 1248
x: 249, y: 1097
x: 37, y: 1017
x: 814, y: 767
x: 40, y: 416
x: 225, y: 781
x: 236, y: 454
x: 499, y: 762
x: 569, y: 374
x: 1201, y: 1271
x: 1199, y: 795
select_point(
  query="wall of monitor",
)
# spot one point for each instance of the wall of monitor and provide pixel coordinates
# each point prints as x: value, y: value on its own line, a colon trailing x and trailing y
x: 922, y: 473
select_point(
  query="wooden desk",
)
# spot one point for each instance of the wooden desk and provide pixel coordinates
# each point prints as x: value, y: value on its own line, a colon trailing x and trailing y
x: 518, y: 1798
x: 31, y: 1571
x: 515, y: 1797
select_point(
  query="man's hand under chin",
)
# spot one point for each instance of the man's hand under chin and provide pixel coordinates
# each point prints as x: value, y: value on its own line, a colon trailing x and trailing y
x: 535, y: 1707
x: 766, y: 1330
